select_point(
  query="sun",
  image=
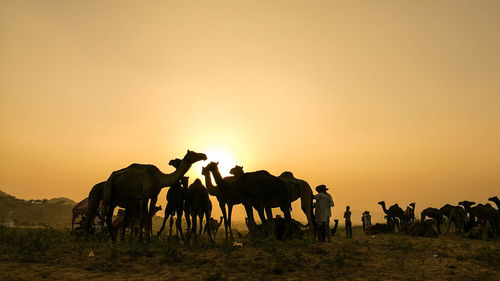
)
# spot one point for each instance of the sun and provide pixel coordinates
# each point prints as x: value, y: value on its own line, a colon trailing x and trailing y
x: 225, y: 159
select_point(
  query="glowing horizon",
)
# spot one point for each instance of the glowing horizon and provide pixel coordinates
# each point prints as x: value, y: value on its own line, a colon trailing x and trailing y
x: 394, y: 101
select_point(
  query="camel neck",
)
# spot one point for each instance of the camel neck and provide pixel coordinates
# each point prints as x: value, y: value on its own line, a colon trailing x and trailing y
x: 212, y: 190
x: 384, y: 208
x: 171, y: 179
x: 217, y: 177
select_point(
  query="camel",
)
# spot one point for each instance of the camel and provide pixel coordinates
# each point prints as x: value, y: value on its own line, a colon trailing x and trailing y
x: 456, y: 215
x: 379, y: 228
x: 471, y: 221
x: 214, y: 225
x: 486, y: 216
x: 434, y: 214
x: 409, y: 213
x: 94, y: 198
x: 495, y: 200
x: 422, y: 228
x: 395, y: 215
x: 263, y: 191
x: 140, y: 182
x: 175, y: 205
x: 297, y: 188
x: 225, y: 192
x: 197, y: 202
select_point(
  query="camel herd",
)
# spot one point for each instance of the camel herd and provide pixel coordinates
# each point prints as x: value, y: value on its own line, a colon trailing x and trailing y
x: 469, y: 219
x: 136, y: 189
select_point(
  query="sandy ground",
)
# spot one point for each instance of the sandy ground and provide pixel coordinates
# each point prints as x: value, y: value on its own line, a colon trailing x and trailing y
x: 56, y: 255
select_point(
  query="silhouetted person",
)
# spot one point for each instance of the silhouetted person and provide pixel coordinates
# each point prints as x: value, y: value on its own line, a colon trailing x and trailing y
x: 366, y: 219
x: 323, y: 212
x: 348, y: 224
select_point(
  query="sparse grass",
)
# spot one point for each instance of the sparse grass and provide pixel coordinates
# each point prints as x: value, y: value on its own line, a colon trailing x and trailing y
x: 257, y: 259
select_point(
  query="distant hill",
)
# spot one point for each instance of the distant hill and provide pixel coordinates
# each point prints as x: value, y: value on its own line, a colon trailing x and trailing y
x: 54, y: 212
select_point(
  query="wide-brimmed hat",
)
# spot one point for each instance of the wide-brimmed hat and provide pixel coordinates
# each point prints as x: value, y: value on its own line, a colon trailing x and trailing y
x: 321, y: 188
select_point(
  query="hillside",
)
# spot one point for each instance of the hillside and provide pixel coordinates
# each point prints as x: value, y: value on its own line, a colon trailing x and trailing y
x: 54, y: 212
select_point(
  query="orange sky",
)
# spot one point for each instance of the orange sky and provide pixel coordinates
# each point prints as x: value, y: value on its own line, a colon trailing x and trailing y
x: 379, y: 100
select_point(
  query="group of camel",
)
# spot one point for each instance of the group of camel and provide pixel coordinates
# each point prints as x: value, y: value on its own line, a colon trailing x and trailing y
x: 474, y: 221
x: 136, y: 189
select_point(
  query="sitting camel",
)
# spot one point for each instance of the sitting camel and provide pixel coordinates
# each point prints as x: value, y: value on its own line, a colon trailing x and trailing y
x: 486, y: 216
x: 434, y: 214
x: 423, y: 229
x: 379, y: 228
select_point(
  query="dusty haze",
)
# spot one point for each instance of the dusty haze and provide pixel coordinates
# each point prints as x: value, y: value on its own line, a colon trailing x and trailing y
x: 379, y: 100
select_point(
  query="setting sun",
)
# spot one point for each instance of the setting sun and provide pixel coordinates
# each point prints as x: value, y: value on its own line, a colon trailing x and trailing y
x: 225, y: 159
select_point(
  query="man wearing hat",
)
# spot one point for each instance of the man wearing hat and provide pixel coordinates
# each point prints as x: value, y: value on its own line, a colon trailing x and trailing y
x: 324, y: 203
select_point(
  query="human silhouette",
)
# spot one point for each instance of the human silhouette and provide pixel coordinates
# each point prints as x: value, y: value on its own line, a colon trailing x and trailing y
x: 348, y: 224
x: 324, y: 203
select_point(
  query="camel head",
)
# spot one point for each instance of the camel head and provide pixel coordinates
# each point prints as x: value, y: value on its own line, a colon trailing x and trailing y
x: 466, y: 203
x: 197, y: 182
x: 494, y: 199
x: 382, y: 203
x: 175, y: 163
x: 212, y: 166
x: 192, y: 157
x: 237, y: 171
x: 287, y: 174
x: 185, y: 182
x: 204, y: 171
x: 412, y: 205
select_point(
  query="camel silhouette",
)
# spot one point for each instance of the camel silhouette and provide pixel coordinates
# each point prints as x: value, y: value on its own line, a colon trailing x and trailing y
x: 94, y: 198
x: 196, y: 203
x: 434, y: 214
x: 225, y: 192
x: 175, y: 205
x: 495, y: 200
x: 410, y: 213
x: 263, y: 191
x: 214, y: 226
x: 297, y: 188
x: 395, y: 215
x: 484, y: 215
x: 140, y: 182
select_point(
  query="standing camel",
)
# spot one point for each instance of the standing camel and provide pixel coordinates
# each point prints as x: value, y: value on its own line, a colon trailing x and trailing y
x: 214, y: 226
x: 139, y: 182
x: 197, y: 202
x: 297, y: 188
x: 395, y: 215
x: 225, y: 192
x: 434, y: 214
x: 175, y: 205
x: 94, y: 199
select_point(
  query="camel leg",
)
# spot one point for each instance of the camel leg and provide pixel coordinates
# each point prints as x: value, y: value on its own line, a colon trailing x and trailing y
x: 288, y: 218
x: 270, y: 221
x: 109, y: 221
x: 178, y: 224
x: 171, y: 225
x: 152, y: 204
x: 207, y: 226
x: 230, y: 209
x: 224, y: 216
x: 167, y: 213
x: 201, y: 222
x: 251, y: 220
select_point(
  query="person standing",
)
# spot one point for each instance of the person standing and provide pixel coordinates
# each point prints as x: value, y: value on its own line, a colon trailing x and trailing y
x: 367, y: 220
x: 348, y: 224
x: 323, y: 212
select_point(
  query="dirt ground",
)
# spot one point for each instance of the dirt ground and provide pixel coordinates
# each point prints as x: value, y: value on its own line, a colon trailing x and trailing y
x: 33, y: 254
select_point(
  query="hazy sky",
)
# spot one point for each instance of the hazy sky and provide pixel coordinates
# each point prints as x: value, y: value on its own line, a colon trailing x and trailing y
x: 379, y: 100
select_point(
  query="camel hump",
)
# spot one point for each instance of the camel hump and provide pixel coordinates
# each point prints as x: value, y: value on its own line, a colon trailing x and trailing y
x: 287, y: 174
